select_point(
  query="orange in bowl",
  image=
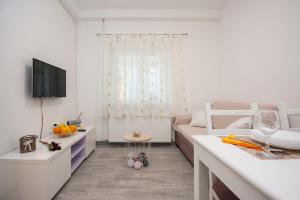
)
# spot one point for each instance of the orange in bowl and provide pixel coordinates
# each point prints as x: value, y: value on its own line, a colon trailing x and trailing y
x: 73, y: 128
x: 62, y: 130
x: 57, y: 130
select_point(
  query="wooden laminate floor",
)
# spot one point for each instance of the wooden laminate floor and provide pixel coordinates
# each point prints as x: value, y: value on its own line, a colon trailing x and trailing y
x: 105, y: 175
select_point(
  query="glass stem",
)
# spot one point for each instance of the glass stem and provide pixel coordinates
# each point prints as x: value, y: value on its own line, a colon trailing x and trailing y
x: 267, y: 143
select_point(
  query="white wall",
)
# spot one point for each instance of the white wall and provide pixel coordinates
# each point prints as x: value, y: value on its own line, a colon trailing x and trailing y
x: 40, y: 29
x: 261, y: 51
x: 201, y: 60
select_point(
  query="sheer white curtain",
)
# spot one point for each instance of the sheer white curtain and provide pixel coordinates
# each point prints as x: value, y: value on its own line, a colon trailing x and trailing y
x: 143, y: 76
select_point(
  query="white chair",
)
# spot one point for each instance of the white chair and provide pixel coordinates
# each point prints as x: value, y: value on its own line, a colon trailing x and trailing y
x: 222, y: 132
x: 210, y: 113
x: 284, y: 114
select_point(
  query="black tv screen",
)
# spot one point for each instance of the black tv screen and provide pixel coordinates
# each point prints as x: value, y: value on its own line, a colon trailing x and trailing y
x: 48, y: 80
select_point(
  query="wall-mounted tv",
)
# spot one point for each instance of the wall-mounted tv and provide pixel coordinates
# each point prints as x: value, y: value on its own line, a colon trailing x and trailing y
x: 48, y: 80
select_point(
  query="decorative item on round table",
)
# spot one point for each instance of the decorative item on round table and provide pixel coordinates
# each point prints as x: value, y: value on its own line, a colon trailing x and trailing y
x: 137, y: 133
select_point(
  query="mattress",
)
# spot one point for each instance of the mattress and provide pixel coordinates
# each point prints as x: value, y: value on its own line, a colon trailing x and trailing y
x: 188, y: 131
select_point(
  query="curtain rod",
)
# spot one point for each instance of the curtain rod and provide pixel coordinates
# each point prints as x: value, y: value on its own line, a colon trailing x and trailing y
x: 184, y: 34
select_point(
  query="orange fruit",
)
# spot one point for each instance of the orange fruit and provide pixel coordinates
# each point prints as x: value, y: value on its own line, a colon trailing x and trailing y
x: 73, y: 128
x: 57, y: 130
x: 65, y: 129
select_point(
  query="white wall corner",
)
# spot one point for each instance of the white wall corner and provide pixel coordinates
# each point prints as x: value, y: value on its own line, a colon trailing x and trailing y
x: 71, y: 8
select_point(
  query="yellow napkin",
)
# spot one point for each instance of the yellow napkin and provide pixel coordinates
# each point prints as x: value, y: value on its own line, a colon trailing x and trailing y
x: 231, y: 139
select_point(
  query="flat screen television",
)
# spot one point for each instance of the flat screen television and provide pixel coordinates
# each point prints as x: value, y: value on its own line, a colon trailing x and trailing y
x: 48, y: 80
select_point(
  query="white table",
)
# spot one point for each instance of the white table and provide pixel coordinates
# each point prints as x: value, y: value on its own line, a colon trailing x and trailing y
x: 247, y: 176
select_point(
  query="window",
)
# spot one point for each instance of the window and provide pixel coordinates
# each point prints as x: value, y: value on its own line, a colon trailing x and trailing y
x: 142, y: 75
x: 143, y: 84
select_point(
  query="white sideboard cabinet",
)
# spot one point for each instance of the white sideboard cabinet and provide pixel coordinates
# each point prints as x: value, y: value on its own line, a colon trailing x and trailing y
x: 40, y: 174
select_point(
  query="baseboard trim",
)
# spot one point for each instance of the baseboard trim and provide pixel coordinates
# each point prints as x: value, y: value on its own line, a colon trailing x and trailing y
x: 106, y: 142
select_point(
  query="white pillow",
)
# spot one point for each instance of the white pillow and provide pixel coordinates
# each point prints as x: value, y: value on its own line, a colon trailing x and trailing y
x: 198, y: 118
x: 242, y: 123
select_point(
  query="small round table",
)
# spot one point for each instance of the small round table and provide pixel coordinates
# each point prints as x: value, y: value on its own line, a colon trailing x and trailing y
x: 137, y: 144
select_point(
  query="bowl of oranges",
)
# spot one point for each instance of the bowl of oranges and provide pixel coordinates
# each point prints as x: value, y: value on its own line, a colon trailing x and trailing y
x: 63, y: 130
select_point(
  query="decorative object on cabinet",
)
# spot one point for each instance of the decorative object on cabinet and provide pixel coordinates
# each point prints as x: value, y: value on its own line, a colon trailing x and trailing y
x: 52, y: 146
x: 64, y: 130
x: 27, y: 143
x: 76, y: 122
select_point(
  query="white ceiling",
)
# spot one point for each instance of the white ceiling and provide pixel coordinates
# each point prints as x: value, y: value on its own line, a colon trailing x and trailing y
x: 149, y: 4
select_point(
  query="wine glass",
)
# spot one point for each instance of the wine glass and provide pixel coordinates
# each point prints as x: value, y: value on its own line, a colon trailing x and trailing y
x: 267, y: 121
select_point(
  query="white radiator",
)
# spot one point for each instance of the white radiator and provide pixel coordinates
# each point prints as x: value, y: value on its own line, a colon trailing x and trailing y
x: 158, y: 128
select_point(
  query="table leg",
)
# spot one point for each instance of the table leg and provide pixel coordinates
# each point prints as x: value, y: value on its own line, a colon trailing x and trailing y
x: 201, y: 178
